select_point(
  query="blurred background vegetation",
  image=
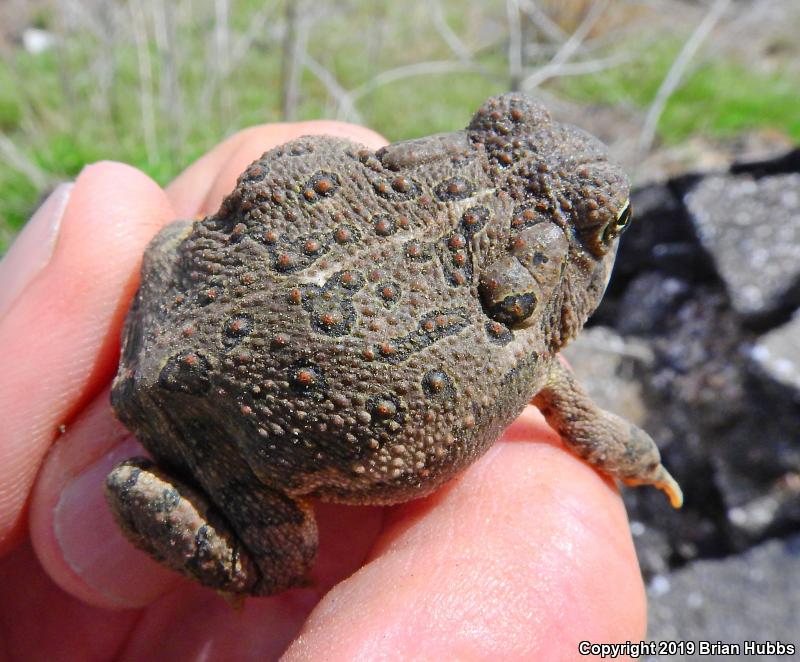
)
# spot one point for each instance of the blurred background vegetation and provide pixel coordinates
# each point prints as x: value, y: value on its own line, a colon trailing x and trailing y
x: 669, y: 84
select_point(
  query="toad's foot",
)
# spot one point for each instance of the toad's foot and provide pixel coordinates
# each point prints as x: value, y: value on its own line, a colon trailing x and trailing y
x: 603, y: 439
x: 267, y: 546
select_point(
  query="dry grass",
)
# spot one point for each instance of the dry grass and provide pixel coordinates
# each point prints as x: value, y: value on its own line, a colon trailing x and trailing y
x: 157, y: 83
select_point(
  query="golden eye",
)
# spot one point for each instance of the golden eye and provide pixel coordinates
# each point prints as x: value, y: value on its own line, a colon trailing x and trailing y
x: 619, y: 224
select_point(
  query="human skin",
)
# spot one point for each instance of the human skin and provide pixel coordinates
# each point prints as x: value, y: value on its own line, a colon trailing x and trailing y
x: 525, y: 554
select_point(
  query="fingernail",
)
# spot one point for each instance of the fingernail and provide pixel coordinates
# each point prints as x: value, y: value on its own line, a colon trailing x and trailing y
x: 33, y: 248
x: 92, y: 544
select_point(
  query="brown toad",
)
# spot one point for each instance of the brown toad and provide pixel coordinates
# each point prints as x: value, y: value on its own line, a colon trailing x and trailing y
x: 358, y: 327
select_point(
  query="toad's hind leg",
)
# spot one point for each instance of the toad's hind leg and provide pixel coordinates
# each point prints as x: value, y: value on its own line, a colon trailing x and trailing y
x: 267, y: 544
x: 603, y: 439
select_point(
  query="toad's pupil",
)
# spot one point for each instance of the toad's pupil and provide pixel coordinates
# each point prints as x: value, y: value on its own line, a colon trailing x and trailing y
x: 625, y: 217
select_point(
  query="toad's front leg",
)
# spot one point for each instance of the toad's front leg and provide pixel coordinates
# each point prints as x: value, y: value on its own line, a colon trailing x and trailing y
x: 603, y: 439
x: 264, y: 543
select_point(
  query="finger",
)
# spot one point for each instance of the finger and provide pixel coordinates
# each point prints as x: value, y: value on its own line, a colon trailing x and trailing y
x: 41, y: 622
x: 71, y: 527
x: 201, y: 187
x: 33, y: 248
x: 59, y: 339
x: 188, y: 624
x: 527, y: 553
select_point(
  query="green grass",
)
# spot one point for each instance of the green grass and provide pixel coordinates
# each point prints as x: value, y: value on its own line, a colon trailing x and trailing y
x: 49, y: 109
x: 723, y: 100
x: 717, y: 98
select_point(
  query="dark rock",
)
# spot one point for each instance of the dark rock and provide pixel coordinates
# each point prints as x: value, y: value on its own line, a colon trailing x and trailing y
x: 648, y: 301
x: 751, y: 228
x: 698, y: 358
x: 728, y: 434
x: 653, y: 549
x: 741, y: 598
x: 775, y: 512
x: 777, y: 354
x: 757, y: 461
x: 666, y: 538
x: 661, y: 237
x: 784, y: 163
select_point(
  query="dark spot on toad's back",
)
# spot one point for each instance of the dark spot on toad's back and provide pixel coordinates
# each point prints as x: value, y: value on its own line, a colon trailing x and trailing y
x: 455, y: 188
x: 321, y: 185
x: 187, y: 372
x: 437, y: 385
x: 305, y: 377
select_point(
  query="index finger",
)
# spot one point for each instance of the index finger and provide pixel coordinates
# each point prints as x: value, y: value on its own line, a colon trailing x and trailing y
x: 199, y: 189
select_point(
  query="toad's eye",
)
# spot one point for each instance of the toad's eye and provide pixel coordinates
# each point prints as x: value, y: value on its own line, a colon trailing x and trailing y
x: 619, y: 224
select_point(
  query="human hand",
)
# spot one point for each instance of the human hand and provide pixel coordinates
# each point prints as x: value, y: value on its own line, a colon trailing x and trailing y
x: 523, y: 555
